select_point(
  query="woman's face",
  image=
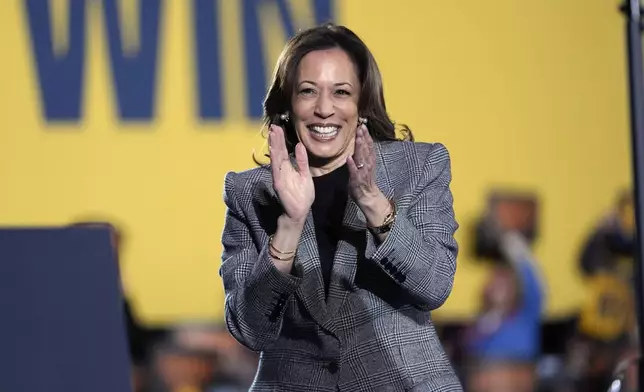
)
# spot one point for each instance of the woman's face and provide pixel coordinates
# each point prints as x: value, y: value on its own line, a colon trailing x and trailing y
x: 325, y: 104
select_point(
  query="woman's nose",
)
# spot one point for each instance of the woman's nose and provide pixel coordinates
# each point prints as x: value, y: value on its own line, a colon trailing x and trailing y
x: 324, y: 107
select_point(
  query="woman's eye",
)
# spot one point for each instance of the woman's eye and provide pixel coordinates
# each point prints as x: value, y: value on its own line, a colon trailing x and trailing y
x: 307, y: 91
x: 343, y: 92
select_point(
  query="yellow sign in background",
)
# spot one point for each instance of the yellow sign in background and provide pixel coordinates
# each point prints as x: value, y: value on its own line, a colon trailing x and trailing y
x: 527, y: 95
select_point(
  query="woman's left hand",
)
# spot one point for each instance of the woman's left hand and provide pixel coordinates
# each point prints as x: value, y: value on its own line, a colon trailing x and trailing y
x: 362, y: 179
x: 362, y: 167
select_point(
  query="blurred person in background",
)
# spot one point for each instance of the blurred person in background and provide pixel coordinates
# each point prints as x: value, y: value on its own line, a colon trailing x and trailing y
x: 607, y: 322
x: 235, y: 365
x: 174, y: 368
x: 335, y: 253
x: 503, y: 345
x: 140, y: 339
x: 610, y: 246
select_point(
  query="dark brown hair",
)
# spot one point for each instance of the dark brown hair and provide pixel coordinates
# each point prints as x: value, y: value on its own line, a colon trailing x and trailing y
x: 371, y: 103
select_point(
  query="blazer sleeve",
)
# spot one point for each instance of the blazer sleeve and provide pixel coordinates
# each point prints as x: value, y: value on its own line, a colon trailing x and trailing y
x: 256, y: 293
x: 420, y: 251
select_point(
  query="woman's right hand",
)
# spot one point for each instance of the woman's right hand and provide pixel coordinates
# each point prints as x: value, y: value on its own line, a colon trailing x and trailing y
x: 294, y: 186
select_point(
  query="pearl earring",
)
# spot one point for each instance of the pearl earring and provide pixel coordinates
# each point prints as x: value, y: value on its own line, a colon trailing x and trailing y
x: 284, y: 117
x: 362, y: 120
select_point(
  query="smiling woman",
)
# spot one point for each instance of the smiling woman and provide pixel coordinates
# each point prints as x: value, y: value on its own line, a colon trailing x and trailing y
x: 350, y: 243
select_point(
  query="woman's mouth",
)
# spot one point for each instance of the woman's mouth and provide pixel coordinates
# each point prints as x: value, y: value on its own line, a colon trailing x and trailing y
x: 324, y: 132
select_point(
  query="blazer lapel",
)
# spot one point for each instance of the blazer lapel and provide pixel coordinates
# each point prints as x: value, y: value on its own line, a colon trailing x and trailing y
x: 311, y: 289
x: 351, y: 245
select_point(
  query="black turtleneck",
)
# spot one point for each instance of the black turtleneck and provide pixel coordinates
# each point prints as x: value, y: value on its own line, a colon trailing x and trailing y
x: 331, y: 197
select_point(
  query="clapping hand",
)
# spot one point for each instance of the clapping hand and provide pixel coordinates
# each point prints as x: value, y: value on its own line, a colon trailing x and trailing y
x: 293, y: 185
x: 362, y: 167
x: 362, y: 179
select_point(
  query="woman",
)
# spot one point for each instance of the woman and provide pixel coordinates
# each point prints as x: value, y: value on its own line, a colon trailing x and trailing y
x: 334, y: 254
x: 503, y: 345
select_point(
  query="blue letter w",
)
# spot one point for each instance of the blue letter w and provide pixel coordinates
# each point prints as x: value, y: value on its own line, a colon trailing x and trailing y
x: 61, y: 76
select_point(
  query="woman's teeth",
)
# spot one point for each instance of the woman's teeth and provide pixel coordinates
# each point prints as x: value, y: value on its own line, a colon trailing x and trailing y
x: 324, y: 132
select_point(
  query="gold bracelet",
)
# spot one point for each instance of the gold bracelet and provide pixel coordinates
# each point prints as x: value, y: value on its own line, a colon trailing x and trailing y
x: 283, y: 256
x: 289, y: 258
x: 270, y: 243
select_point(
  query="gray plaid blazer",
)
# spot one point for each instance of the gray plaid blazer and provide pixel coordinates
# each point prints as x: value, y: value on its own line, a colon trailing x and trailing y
x: 374, y: 332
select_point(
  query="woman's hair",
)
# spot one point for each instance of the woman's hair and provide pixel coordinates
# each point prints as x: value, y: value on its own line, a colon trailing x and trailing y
x: 371, y: 102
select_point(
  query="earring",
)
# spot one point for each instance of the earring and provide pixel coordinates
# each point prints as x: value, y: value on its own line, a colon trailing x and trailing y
x: 284, y: 117
x: 362, y: 120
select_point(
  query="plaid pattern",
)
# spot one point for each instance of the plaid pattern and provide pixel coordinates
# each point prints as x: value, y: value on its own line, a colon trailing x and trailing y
x: 374, y: 332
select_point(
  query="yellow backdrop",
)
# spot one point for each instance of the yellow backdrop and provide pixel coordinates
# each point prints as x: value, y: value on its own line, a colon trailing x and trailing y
x: 529, y: 95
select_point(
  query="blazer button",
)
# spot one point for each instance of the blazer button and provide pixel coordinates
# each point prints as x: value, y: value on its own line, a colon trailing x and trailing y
x: 400, y: 277
x: 333, y: 367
